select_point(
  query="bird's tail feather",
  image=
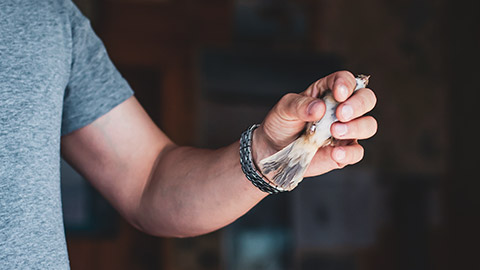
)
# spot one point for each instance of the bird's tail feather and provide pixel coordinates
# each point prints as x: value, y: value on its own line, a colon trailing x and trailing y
x: 289, y: 164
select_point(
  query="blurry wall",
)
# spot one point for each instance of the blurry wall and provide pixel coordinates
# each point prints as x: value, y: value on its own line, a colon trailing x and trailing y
x: 205, y: 70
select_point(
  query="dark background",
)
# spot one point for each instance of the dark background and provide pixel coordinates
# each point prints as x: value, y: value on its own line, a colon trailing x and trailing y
x: 205, y: 70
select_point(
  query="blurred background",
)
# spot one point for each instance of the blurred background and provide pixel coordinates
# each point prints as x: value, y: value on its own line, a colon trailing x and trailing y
x: 206, y: 70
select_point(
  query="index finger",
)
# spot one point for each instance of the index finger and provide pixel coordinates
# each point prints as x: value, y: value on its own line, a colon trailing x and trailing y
x: 342, y: 84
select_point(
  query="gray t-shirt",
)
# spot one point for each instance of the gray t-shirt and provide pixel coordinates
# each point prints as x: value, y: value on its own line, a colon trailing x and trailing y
x: 55, y: 77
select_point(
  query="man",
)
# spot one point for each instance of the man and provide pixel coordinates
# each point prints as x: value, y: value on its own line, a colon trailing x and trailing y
x: 59, y: 90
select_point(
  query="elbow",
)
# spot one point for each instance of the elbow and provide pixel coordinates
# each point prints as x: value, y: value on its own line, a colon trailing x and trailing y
x: 173, y: 232
x: 179, y: 234
x: 173, y: 228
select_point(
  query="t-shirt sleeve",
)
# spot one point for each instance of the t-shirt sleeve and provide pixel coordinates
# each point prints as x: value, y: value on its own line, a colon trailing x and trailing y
x: 95, y: 86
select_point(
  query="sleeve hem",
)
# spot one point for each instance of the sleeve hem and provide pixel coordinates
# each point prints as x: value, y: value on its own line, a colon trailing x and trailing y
x: 80, y: 121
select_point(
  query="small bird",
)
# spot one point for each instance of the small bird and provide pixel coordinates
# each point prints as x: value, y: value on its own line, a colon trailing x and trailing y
x: 289, y: 164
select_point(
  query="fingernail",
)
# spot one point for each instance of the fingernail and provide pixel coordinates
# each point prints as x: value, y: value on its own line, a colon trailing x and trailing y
x: 311, y: 106
x: 340, y: 154
x: 341, y: 129
x: 343, y: 91
x: 347, y: 111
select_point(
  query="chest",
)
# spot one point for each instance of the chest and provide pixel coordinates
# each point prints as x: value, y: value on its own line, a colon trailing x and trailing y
x: 34, y: 62
x: 35, y: 53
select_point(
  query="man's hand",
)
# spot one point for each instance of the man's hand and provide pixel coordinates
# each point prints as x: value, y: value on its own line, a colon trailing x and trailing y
x: 287, y: 120
x: 170, y: 190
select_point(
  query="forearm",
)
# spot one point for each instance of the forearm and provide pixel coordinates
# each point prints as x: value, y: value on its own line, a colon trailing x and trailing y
x: 168, y: 190
x: 157, y: 186
x: 194, y: 191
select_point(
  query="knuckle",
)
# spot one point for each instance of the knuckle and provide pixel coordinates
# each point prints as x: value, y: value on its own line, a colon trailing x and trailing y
x: 290, y: 105
x: 362, y: 104
x: 285, y: 102
x: 364, y: 101
x: 287, y: 98
x: 310, y: 91
x: 374, y: 124
x: 352, y: 129
x: 345, y: 73
x: 318, y: 83
x: 317, y: 87
x: 369, y: 126
x: 345, y: 77
x: 370, y: 98
x: 356, y: 153
x: 358, y: 106
x: 359, y: 154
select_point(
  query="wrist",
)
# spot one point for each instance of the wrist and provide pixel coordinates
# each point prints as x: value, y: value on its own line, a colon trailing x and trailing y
x: 249, y: 168
x: 261, y: 146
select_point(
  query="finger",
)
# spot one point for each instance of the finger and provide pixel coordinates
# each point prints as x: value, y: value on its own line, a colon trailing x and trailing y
x: 297, y: 107
x: 360, y: 128
x: 287, y: 119
x: 330, y: 158
x: 342, y: 83
x: 346, y: 155
x: 361, y: 102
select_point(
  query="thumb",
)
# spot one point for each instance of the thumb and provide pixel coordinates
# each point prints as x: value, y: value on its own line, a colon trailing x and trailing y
x: 287, y: 119
x: 298, y: 107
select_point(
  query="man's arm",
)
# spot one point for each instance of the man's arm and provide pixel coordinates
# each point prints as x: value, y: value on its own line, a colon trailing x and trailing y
x: 169, y: 190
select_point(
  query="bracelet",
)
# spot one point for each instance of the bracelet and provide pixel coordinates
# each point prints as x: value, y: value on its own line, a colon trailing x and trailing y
x: 248, y: 168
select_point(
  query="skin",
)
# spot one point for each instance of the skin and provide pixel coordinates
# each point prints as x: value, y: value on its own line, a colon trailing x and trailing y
x: 178, y: 191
